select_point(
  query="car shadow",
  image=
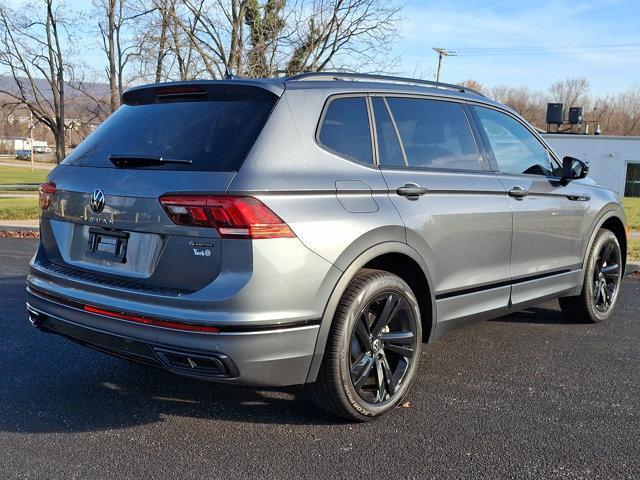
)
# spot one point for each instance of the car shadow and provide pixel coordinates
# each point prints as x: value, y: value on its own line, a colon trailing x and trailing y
x: 544, y: 315
x: 114, y: 394
x: 49, y: 384
x: 52, y: 385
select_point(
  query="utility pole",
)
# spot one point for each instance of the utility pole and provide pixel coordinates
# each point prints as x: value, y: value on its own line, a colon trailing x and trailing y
x: 31, y: 127
x: 442, y: 52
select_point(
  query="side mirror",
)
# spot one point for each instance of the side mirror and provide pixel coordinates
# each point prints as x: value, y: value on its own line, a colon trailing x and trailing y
x: 573, y: 169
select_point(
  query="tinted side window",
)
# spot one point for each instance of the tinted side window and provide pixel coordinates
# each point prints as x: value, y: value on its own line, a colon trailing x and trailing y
x: 389, y: 150
x: 435, y: 134
x: 515, y: 148
x: 345, y: 129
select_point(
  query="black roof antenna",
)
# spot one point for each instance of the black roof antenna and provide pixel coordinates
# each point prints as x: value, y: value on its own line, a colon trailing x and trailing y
x: 229, y: 74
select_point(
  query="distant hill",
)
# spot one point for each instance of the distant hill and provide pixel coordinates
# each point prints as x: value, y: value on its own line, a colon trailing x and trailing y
x: 95, y: 89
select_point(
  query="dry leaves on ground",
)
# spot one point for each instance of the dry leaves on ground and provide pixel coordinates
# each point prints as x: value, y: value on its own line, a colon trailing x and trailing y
x: 19, y: 234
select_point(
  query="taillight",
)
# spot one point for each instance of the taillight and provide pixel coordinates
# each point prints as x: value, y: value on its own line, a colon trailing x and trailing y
x: 232, y: 217
x: 45, y: 194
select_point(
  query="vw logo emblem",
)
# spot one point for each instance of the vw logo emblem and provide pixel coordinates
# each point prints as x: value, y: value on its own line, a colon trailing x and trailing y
x: 97, y: 201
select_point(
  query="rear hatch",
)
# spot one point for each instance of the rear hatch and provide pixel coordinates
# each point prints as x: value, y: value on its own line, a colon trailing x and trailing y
x: 105, y: 223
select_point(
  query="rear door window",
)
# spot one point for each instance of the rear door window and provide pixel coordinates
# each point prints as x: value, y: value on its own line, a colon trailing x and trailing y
x: 345, y: 129
x: 435, y: 134
x: 215, y: 134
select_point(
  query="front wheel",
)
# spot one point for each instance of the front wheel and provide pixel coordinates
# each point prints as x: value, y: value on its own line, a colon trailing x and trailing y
x: 373, y: 348
x: 602, y: 280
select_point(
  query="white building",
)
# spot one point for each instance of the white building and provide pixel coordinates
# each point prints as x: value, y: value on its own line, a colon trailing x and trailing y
x: 614, y: 161
x: 23, y: 144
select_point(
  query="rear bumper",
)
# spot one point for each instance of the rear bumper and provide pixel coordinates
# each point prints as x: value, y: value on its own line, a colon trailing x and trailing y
x: 267, y: 357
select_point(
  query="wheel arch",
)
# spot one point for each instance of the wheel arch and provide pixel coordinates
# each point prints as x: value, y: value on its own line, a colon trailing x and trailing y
x: 395, y: 257
x: 410, y: 271
x: 616, y: 225
x: 613, y: 220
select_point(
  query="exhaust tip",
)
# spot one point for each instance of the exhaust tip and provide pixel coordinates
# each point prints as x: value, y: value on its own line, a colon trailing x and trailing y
x: 214, y: 366
x: 35, y: 318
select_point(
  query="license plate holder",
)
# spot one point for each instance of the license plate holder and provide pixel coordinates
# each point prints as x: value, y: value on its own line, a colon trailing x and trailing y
x: 108, y: 244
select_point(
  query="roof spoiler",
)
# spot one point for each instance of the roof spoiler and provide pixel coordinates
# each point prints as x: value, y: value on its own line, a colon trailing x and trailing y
x: 222, y: 90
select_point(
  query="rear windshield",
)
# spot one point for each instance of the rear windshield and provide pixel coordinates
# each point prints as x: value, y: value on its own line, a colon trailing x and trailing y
x: 215, y: 135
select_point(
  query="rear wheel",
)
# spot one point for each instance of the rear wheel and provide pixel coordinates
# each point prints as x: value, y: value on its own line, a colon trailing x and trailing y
x: 601, y: 282
x: 372, y: 350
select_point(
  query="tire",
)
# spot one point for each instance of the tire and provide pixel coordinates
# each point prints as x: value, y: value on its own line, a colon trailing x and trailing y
x: 369, y: 363
x: 597, y: 300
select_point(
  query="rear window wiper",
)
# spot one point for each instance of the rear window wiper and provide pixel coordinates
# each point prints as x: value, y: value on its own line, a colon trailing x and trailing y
x: 122, y: 161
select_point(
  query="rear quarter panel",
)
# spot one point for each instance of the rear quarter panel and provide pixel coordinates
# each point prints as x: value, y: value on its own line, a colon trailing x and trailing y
x: 299, y: 180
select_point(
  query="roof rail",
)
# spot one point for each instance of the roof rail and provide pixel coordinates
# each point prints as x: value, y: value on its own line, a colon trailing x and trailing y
x: 377, y: 78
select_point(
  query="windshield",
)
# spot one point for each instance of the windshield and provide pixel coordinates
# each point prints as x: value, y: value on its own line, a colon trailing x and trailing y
x: 213, y: 135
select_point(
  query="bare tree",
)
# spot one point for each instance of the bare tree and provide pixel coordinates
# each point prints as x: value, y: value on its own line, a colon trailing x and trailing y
x: 616, y: 114
x: 473, y: 84
x: 628, y: 106
x: 528, y: 103
x: 164, y: 51
x: 215, y: 31
x: 343, y: 33
x: 118, y: 43
x: 34, y: 43
x: 263, y: 38
x: 571, y: 92
x: 265, y: 23
x: 167, y: 11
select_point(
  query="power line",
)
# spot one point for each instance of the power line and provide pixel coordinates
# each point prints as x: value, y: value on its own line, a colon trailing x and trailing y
x: 524, y: 54
x: 550, y: 50
x: 535, y: 47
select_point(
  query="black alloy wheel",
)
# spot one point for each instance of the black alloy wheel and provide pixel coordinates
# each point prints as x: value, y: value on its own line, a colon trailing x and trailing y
x: 606, y: 276
x: 602, y: 279
x: 383, y: 344
x: 372, y: 349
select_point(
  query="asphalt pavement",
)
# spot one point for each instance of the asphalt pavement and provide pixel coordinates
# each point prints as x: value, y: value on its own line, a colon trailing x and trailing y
x: 525, y: 396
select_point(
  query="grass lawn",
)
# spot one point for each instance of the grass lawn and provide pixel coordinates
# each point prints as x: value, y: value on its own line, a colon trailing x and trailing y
x: 19, y: 208
x: 632, y: 209
x: 19, y: 175
x: 633, y: 248
x: 17, y: 193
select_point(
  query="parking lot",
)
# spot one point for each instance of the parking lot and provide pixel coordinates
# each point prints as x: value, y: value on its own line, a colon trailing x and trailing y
x: 525, y: 396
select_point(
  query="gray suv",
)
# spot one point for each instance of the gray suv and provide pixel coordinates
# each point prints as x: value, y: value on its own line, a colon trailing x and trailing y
x: 315, y: 230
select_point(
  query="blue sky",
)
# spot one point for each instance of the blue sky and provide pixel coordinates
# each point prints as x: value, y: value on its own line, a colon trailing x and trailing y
x: 516, y: 42
x: 516, y: 35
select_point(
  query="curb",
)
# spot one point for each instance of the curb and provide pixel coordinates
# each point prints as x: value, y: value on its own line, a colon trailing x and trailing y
x: 18, y: 228
x: 632, y: 267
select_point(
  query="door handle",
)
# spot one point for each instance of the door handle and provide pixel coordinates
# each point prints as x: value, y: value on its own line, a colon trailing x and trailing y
x: 411, y: 190
x: 518, y: 192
